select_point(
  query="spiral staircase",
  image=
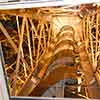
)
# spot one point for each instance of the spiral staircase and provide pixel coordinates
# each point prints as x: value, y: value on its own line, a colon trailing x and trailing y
x: 52, y: 51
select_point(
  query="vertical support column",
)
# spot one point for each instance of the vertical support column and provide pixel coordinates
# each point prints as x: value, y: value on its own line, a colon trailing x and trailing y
x: 3, y: 86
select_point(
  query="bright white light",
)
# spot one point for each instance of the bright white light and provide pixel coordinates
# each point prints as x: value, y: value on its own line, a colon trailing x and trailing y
x: 75, y: 2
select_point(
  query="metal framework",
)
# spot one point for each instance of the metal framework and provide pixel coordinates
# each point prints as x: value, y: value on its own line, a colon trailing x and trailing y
x: 49, y: 44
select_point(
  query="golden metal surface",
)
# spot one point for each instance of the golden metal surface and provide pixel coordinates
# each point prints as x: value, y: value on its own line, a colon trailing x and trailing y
x: 46, y: 38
